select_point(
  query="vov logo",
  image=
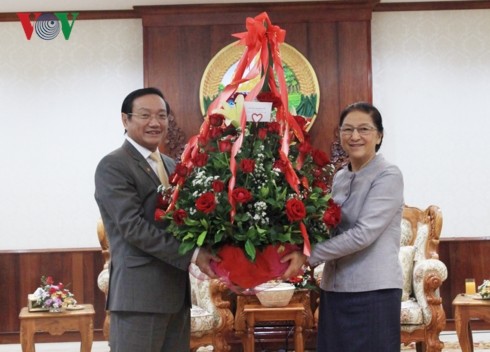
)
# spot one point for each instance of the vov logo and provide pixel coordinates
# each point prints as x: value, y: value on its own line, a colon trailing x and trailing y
x: 47, y: 24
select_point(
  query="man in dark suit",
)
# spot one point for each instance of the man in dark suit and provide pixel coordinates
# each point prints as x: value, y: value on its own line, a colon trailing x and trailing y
x: 149, y: 289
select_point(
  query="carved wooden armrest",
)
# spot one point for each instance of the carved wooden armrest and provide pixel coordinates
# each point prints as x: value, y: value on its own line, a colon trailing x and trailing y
x: 220, y: 307
x: 428, y: 276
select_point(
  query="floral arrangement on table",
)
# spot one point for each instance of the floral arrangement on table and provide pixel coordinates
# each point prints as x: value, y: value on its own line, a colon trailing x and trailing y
x: 304, y: 281
x: 53, y: 296
x: 484, y: 289
x: 252, y: 189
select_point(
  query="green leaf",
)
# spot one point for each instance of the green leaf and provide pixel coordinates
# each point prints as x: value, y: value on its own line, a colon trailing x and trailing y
x: 190, y: 222
x: 188, y: 236
x: 218, y: 236
x: 264, y: 191
x: 204, y: 223
x: 260, y: 230
x: 250, y: 250
x: 185, y: 247
x: 201, y: 238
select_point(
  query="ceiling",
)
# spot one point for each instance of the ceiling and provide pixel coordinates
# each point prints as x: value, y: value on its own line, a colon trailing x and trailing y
x: 98, y: 5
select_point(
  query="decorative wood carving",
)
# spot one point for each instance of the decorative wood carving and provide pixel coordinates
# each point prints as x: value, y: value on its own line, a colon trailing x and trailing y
x: 175, y: 141
x: 338, y: 157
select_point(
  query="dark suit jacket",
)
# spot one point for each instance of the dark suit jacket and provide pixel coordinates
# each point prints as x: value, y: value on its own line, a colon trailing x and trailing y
x: 146, y: 272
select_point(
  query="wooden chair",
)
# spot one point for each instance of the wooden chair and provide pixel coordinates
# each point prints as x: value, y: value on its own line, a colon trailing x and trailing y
x: 211, y: 317
x: 423, y: 317
x: 422, y: 314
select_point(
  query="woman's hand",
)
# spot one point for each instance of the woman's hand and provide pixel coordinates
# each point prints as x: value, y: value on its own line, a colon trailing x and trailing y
x: 296, y: 261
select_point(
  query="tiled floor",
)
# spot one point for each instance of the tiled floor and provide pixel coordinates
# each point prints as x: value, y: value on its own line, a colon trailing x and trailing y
x: 101, y: 346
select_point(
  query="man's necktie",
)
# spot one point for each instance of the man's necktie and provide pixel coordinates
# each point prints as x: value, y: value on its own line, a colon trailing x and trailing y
x: 162, y: 174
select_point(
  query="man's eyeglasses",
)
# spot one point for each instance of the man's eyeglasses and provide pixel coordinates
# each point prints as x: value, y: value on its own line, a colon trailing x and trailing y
x: 161, y: 116
x: 362, y: 130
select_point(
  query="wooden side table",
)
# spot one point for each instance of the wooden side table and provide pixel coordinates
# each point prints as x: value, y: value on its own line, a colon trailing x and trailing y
x: 465, y: 308
x: 292, y: 312
x: 56, y: 324
x: 300, y: 296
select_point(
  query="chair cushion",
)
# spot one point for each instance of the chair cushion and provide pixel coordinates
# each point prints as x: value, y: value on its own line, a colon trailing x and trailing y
x: 407, y: 234
x: 201, y: 321
x: 411, y: 313
x: 406, y: 256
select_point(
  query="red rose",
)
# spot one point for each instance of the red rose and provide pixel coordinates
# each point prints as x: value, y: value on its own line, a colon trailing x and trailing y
x: 321, y: 185
x: 162, y: 202
x: 262, y: 134
x: 270, y: 98
x: 280, y: 165
x: 317, y: 172
x: 218, y: 186
x: 179, y: 215
x: 295, y: 210
x: 247, y: 165
x: 216, y: 120
x: 49, y: 280
x: 159, y: 214
x: 200, y: 160
x: 215, y: 132
x: 332, y: 215
x: 320, y: 158
x: 224, y: 146
x: 241, y: 195
x: 274, y: 127
x: 181, y: 170
x: 206, y: 203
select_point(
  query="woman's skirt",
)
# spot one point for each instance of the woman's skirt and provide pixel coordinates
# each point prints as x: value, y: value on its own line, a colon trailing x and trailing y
x: 359, y: 321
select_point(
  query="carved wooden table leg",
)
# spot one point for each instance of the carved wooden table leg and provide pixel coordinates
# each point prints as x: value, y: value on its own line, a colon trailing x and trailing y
x: 86, y: 333
x: 463, y: 329
x: 27, y: 336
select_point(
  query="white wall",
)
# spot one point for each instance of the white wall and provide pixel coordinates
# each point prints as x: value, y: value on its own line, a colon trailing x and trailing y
x: 61, y: 103
x: 431, y: 81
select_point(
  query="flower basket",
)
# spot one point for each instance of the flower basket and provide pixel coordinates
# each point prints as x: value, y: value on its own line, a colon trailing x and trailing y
x: 238, y: 271
x: 251, y: 189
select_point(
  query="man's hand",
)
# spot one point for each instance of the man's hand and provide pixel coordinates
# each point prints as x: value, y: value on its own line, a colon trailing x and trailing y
x: 296, y: 261
x: 203, y: 261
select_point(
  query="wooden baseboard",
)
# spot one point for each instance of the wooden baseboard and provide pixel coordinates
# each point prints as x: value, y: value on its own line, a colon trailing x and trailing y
x: 476, y: 324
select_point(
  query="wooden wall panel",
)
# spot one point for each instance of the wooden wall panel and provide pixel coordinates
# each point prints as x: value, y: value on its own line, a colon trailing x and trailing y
x: 179, y: 42
x: 20, y: 274
x: 464, y: 258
